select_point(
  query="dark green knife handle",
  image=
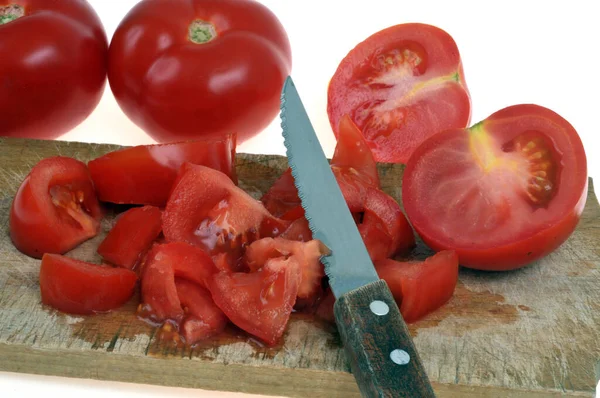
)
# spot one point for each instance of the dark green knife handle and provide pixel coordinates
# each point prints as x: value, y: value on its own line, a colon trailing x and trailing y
x: 382, y: 356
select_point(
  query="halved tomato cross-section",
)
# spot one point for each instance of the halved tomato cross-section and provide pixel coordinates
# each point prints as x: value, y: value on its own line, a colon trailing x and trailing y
x: 400, y: 86
x: 503, y: 193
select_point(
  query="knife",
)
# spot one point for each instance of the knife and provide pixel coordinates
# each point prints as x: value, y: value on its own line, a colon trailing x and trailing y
x: 382, y: 356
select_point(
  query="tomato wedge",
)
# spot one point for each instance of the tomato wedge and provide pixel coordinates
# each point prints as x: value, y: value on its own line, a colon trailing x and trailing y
x: 55, y: 208
x: 420, y: 287
x: 145, y: 174
x: 503, y: 193
x: 77, y: 287
x: 208, y: 210
x: 400, y: 86
x: 131, y: 236
x: 260, y: 302
x: 164, y: 263
x: 203, y: 318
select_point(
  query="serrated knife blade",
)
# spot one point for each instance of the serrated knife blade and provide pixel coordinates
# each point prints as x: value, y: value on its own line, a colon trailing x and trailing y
x: 381, y: 353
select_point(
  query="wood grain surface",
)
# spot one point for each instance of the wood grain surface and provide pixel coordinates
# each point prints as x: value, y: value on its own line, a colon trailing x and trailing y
x: 533, y: 332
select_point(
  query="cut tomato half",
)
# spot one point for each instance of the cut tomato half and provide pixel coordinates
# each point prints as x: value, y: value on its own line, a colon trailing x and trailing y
x: 503, y: 193
x: 400, y: 86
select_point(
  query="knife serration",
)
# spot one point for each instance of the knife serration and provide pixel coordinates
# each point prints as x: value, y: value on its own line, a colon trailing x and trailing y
x: 348, y: 265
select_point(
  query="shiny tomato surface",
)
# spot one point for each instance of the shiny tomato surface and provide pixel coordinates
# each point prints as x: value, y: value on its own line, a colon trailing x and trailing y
x: 53, y: 62
x: 400, y: 86
x: 184, y: 69
x: 55, y: 208
x: 503, y: 193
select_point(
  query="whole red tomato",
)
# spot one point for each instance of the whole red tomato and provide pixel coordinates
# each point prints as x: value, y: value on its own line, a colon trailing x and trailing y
x: 53, y: 57
x: 183, y: 69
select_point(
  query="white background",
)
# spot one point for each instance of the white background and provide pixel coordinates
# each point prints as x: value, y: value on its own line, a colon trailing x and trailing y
x: 543, y: 52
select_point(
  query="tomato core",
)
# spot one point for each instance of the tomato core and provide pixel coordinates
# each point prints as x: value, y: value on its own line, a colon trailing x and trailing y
x: 10, y: 13
x: 201, y: 32
x: 73, y: 203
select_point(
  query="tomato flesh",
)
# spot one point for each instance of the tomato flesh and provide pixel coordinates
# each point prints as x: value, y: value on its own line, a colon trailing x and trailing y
x: 400, y: 86
x: 77, y: 287
x: 503, y: 193
x: 131, y: 236
x: 145, y: 174
x: 55, y: 208
x: 420, y: 287
x: 208, y: 210
x: 260, y: 302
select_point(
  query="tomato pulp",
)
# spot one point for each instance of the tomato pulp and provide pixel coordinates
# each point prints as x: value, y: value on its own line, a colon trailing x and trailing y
x: 55, y: 208
x: 53, y: 69
x: 185, y: 69
x: 400, y: 86
x: 503, y: 193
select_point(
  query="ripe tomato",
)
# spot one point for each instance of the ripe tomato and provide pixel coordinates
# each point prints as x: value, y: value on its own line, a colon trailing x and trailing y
x: 185, y: 69
x: 503, y: 193
x: 145, y: 174
x: 400, y: 86
x: 77, y: 287
x: 131, y: 236
x: 55, y: 208
x: 53, y: 68
x: 208, y: 210
x: 259, y: 302
x: 420, y: 287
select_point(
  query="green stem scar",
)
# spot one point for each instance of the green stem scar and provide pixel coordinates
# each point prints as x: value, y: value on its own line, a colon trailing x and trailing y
x: 201, y: 32
x: 10, y: 13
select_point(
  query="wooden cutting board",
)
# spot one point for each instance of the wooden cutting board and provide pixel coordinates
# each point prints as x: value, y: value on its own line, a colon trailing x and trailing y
x: 531, y: 332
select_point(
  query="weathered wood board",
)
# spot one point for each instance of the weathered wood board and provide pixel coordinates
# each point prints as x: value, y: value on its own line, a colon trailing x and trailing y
x: 532, y: 332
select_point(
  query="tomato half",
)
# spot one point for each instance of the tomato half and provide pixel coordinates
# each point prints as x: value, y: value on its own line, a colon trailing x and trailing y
x: 420, y: 287
x: 77, y: 287
x: 145, y: 174
x: 503, y: 193
x: 208, y: 210
x: 131, y: 236
x: 185, y: 69
x: 260, y: 302
x: 55, y: 208
x: 53, y: 68
x: 400, y: 86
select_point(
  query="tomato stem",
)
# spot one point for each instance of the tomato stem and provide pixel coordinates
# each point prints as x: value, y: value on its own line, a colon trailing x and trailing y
x: 201, y: 32
x: 10, y: 13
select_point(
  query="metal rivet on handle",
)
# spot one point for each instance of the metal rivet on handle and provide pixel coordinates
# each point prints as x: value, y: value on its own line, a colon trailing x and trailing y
x: 400, y: 357
x: 378, y: 307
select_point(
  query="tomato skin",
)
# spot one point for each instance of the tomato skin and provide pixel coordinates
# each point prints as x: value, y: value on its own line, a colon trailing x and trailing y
x: 393, y: 110
x: 76, y: 287
x: 145, y: 174
x: 420, y: 287
x: 37, y: 225
x: 60, y: 49
x: 509, y: 245
x: 131, y: 236
x: 175, y: 89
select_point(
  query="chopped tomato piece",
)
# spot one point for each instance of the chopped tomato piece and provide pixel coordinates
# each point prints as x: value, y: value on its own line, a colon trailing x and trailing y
x: 324, y: 309
x: 384, y: 228
x: 163, y: 264
x: 145, y: 174
x: 203, y: 318
x: 55, y: 208
x: 260, y: 302
x: 77, y: 287
x: 208, y: 210
x: 307, y: 255
x: 420, y: 287
x: 298, y: 230
x: 131, y: 236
